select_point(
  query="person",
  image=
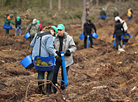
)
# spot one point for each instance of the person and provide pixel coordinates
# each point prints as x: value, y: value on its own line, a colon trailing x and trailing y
x: 33, y: 28
x: 129, y: 14
x: 63, y: 42
x: 116, y: 13
x: 118, y: 32
x: 53, y: 31
x: 41, y: 27
x: 88, y: 25
x: 103, y: 14
x: 8, y: 21
x: 124, y: 31
x: 18, y: 24
x: 47, y: 49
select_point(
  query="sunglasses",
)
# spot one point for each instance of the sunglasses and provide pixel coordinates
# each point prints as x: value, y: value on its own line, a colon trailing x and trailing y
x: 59, y: 30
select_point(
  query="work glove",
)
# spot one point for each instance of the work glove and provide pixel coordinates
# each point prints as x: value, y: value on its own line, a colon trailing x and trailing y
x: 58, y: 53
x: 67, y: 53
x: 58, y: 59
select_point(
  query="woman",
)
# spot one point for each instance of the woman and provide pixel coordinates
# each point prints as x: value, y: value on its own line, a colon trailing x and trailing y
x: 118, y: 32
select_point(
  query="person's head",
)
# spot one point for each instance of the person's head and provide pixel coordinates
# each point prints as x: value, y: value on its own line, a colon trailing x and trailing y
x: 103, y: 8
x: 117, y: 18
x: 89, y: 21
x: 18, y: 18
x: 38, y: 21
x: 53, y: 30
x: 116, y: 9
x: 34, y: 20
x: 11, y: 16
x: 61, y: 29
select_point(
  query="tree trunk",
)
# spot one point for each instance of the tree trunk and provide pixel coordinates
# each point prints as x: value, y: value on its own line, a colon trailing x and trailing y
x: 20, y: 4
x: 97, y: 2
x: 59, y: 5
x: 116, y: 1
x: 84, y: 13
x: 119, y: 7
x: 50, y: 4
x: 71, y: 4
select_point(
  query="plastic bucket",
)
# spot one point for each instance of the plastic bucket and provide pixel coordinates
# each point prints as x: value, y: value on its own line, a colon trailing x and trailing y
x: 82, y: 36
x: 27, y: 62
x: 27, y: 35
x: 45, y: 59
x: 6, y: 26
x: 94, y: 35
x: 126, y: 36
x: 100, y: 16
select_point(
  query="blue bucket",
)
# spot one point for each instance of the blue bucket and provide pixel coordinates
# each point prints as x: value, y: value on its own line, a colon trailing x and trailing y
x: 27, y: 62
x: 127, y: 35
x: 6, y: 26
x: 45, y: 59
x: 27, y: 35
x: 100, y: 16
x: 82, y: 36
x: 94, y: 35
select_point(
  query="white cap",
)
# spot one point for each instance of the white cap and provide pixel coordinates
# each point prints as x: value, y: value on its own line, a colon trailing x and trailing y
x: 34, y: 20
x: 117, y: 18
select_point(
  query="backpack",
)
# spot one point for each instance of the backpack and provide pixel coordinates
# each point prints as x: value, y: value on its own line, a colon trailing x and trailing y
x: 40, y: 35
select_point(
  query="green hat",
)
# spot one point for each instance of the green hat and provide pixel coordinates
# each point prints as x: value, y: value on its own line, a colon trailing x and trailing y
x: 115, y: 8
x: 38, y: 21
x: 18, y: 18
x: 61, y: 26
x: 55, y: 29
x: 103, y: 8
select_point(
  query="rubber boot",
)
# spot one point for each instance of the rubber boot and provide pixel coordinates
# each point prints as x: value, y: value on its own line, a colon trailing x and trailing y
x: 124, y: 46
x: 48, y: 89
x: 41, y: 89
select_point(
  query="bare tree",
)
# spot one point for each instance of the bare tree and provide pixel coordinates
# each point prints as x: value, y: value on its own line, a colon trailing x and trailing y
x: 84, y: 13
x: 97, y: 2
x: 71, y: 4
x: 59, y: 5
x: 119, y: 7
x: 50, y: 4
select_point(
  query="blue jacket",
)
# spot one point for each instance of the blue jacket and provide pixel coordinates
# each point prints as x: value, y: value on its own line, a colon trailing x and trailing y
x: 47, y: 48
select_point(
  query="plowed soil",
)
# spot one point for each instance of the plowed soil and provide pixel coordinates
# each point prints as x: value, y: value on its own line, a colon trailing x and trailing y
x: 98, y: 74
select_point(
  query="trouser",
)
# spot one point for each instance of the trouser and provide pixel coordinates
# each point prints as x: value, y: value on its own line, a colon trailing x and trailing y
x: 125, y: 41
x: 118, y: 42
x: 19, y: 30
x: 129, y: 18
x: 31, y: 37
x: 41, y: 75
x: 56, y: 69
x: 85, y: 41
x: 7, y: 31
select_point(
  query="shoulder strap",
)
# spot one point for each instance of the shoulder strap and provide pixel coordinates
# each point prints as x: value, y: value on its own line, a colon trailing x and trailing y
x: 40, y: 35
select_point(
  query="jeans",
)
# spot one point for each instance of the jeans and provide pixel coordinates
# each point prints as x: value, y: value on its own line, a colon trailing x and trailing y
x: 56, y: 69
x: 19, y: 30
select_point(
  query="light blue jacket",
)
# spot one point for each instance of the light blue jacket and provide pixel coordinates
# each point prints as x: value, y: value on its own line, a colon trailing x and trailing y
x: 47, y: 48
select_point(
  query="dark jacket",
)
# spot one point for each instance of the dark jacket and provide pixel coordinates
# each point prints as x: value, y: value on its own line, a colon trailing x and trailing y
x: 102, y: 13
x: 18, y: 22
x: 88, y: 28
x: 118, y: 27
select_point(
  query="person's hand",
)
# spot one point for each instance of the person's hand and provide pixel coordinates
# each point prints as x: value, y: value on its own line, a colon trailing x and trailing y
x: 58, y: 59
x: 57, y: 52
x: 67, y: 53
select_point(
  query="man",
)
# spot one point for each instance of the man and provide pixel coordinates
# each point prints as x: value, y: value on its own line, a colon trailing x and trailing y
x: 18, y: 24
x: 87, y: 31
x: 116, y: 13
x: 63, y: 42
x: 47, y: 49
x: 33, y: 28
x: 8, y: 21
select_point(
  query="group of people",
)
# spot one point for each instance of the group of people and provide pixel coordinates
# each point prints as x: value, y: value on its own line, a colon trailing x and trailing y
x: 103, y: 14
x: 53, y: 42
